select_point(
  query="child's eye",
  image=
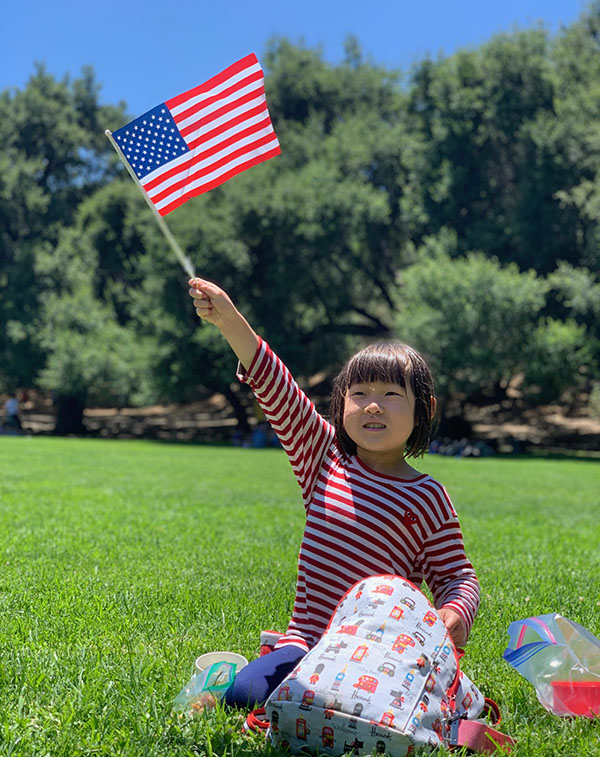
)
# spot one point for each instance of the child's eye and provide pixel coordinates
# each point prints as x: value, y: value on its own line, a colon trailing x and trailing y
x: 393, y: 393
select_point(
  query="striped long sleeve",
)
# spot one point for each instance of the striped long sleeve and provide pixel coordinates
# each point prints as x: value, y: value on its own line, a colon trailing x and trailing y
x: 303, y: 432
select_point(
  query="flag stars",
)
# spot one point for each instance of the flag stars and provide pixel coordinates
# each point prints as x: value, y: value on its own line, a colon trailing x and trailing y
x: 151, y: 141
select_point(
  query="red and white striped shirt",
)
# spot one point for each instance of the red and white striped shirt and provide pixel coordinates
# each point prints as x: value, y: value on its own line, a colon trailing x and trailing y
x: 358, y: 522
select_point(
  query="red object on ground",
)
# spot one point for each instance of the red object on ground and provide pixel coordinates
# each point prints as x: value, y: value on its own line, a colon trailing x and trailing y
x: 579, y: 697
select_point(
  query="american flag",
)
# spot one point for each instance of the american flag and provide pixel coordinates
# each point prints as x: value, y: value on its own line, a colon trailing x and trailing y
x: 196, y: 141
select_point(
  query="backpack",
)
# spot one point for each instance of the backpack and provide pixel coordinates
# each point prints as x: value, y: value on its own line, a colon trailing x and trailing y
x: 383, y: 678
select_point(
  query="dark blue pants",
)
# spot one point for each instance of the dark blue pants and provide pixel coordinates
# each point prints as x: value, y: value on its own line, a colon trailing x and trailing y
x: 254, y: 683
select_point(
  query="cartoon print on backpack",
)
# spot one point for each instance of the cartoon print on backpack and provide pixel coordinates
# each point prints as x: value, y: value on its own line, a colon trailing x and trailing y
x: 327, y: 736
x: 330, y: 708
x: 307, y: 700
x: 335, y: 686
x: 402, y: 642
x: 358, y: 593
x: 333, y: 650
x: 361, y: 651
x: 350, y: 629
x: 302, y: 729
x: 376, y: 635
x: 388, y: 668
x: 353, y: 747
x: 408, y: 679
x: 316, y: 673
x: 284, y: 694
x: 430, y: 618
x: 398, y: 700
x: 356, y: 712
x: 365, y: 683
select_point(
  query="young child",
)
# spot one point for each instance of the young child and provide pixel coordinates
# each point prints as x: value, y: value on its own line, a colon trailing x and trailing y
x: 368, y: 512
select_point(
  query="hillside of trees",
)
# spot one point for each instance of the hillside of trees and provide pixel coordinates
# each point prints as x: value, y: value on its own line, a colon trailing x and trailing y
x: 455, y: 207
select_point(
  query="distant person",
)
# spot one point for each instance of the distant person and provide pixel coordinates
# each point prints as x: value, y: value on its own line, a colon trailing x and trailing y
x: 12, y: 421
x: 368, y: 512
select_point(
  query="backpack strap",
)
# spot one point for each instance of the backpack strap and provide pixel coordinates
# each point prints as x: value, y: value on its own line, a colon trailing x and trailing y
x: 256, y: 721
x: 479, y: 737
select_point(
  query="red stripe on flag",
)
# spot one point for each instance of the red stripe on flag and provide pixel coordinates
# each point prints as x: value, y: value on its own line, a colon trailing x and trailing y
x: 239, y: 133
x: 224, y: 110
x: 184, y: 114
x: 195, y: 175
x: 206, y: 86
x: 196, y: 158
x: 220, y: 180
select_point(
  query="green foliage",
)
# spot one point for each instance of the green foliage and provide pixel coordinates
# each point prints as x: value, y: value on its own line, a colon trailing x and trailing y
x: 52, y: 159
x: 91, y: 356
x: 557, y: 356
x: 576, y: 294
x: 472, y: 317
x: 495, y: 149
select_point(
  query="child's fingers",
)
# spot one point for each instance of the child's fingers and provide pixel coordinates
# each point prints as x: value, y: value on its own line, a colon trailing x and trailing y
x: 203, y: 305
x: 196, y: 294
x: 202, y: 285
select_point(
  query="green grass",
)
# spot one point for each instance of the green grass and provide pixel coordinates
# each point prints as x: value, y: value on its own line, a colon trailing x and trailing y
x: 123, y: 561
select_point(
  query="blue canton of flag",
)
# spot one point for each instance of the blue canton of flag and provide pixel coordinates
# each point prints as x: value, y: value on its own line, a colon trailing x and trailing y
x: 151, y: 141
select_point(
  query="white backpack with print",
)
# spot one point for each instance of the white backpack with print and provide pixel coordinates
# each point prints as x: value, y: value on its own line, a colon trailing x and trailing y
x: 383, y: 678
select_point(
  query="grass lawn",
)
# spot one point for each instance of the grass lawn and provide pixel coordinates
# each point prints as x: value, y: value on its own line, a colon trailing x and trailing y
x: 122, y: 561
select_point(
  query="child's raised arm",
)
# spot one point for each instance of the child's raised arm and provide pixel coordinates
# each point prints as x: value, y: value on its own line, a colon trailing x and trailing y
x: 214, y: 305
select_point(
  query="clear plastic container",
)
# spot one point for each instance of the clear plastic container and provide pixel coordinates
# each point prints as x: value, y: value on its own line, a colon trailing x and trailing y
x: 562, y: 661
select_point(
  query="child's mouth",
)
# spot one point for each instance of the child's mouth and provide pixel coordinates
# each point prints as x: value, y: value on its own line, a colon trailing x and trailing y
x: 374, y: 425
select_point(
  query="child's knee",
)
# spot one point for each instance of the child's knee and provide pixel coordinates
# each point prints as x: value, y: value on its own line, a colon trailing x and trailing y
x: 246, y: 691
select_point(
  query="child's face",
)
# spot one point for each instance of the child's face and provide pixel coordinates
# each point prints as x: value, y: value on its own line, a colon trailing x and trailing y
x: 379, y: 417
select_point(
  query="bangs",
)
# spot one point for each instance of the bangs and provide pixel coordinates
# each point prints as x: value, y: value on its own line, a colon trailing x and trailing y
x: 385, y: 363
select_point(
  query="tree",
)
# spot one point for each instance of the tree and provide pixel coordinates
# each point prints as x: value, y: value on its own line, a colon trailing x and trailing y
x: 95, y: 355
x: 576, y: 53
x: 496, y: 157
x: 481, y: 324
x: 53, y: 157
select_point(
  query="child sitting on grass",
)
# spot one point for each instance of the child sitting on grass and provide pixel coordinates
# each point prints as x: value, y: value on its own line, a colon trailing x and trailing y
x: 368, y: 512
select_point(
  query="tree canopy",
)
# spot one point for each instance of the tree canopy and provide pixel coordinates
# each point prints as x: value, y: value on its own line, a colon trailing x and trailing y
x: 456, y: 206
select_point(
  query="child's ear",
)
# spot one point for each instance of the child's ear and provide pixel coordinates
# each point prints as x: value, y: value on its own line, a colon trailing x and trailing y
x: 433, y: 406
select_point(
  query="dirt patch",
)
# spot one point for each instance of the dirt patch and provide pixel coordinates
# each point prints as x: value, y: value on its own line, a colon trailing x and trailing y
x: 507, y: 427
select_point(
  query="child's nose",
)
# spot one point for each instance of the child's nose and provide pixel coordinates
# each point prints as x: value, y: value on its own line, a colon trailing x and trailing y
x: 373, y: 407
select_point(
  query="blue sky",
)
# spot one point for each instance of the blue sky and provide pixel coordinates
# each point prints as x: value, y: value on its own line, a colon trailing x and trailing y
x: 145, y: 51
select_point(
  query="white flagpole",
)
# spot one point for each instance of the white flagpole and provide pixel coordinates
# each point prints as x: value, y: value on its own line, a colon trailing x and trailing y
x: 183, y: 259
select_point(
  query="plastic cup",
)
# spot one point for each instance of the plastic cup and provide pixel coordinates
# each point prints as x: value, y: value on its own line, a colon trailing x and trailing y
x: 208, y: 659
x: 577, y: 697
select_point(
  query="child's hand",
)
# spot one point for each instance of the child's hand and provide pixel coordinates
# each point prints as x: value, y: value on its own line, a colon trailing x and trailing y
x: 211, y: 302
x: 455, y: 625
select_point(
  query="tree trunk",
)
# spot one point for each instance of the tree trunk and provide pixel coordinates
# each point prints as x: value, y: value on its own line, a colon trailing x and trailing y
x: 69, y: 416
x: 238, y: 409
